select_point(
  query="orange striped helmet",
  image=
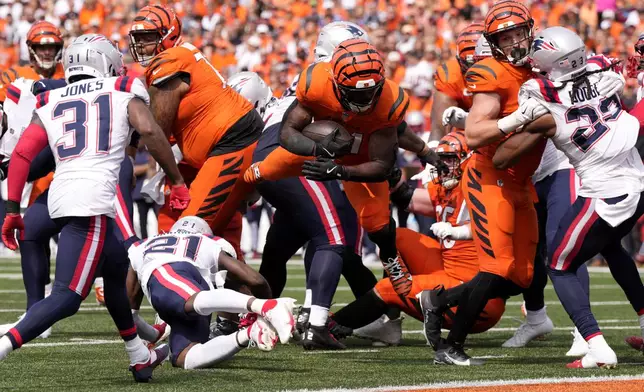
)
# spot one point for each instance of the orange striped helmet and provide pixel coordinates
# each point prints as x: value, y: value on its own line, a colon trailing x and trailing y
x: 45, y: 43
x: 155, y: 28
x: 453, y: 152
x: 505, y: 17
x: 358, y: 74
x: 466, y: 44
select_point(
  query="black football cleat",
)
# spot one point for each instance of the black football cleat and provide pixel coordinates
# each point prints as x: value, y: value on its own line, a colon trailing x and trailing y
x: 338, y: 331
x: 223, y: 327
x: 142, y: 372
x: 319, y: 338
x: 432, y: 315
x: 453, y: 354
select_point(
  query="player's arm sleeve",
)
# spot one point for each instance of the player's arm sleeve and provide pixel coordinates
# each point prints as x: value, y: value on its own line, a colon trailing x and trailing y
x: 167, y: 66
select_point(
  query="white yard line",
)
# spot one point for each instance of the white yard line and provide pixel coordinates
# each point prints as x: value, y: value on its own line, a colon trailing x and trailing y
x: 339, y: 352
x: 512, y: 329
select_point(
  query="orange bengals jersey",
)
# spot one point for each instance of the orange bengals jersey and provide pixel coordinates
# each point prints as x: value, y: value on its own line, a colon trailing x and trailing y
x: 449, y: 80
x: 460, y: 260
x: 315, y: 92
x: 492, y: 76
x: 207, y: 111
x: 27, y: 72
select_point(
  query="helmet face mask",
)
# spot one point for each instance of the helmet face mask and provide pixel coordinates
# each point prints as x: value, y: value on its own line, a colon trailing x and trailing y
x: 45, y: 44
x: 512, y: 44
x: 144, y: 45
x: 46, y: 56
x: 452, y: 177
x: 360, y: 99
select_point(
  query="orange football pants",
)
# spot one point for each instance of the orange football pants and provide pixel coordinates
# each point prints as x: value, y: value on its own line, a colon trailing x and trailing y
x: 422, y: 254
x: 504, y: 221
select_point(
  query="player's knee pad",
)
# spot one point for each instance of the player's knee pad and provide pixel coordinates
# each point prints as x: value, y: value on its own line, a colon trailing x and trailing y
x: 67, y: 301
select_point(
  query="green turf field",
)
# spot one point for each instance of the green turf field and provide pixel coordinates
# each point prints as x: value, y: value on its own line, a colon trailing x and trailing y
x: 85, y: 353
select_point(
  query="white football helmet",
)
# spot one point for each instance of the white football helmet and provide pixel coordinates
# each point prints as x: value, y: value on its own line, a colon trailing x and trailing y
x: 191, y: 225
x: 251, y: 86
x: 558, y: 53
x: 482, y: 49
x: 92, y: 55
x: 332, y: 34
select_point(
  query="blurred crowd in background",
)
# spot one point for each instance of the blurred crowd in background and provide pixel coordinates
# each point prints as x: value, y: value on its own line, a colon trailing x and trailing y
x: 276, y: 37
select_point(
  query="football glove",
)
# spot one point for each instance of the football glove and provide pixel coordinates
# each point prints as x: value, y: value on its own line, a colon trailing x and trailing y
x: 179, y: 197
x: 611, y: 83
x: 455, y: 117
x: 12, y: 222
x: 329, y: 147
x: 529, y: 110
x: 444, y: 230
x: 323, y: 169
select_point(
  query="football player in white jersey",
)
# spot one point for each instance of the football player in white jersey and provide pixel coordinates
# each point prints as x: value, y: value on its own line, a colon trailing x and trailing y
x: 598, y: 137
x: 307, y: 211
x: 176, y: 271
x: 88, y: 125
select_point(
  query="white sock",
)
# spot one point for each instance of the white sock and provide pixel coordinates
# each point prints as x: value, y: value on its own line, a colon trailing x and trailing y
x: 5, y: 347
x: 258, y: 305
x: 536, y: 317
x: 220, y: 300
x: 308, y: 297
x: 216, y: 350
x: 597, y: 341
x: 143, y: 329
x: 98, y: 282
x: 318, y: 316
x: 641, y: 319
x: 137, y: 351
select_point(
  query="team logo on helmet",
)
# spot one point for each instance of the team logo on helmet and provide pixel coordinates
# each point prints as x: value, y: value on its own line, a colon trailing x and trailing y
x: 541, y: 44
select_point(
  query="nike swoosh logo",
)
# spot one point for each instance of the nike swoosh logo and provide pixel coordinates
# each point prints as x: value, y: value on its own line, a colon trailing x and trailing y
x: 329, y: 171
x: 156, y: 71
x: 331, y: 154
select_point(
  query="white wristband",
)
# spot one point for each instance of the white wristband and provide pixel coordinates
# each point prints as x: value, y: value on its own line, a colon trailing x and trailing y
x: 462, y: 232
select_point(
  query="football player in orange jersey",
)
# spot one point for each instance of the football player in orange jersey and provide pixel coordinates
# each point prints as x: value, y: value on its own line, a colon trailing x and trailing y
x: 500, y: 202
x: 448, y: 261
x: 45, y: 44
x: 215, y: 127
x: 352, y: 90
x: 449, y: 80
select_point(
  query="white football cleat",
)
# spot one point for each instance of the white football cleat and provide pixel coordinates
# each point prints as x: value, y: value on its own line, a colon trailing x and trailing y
x: 280, y: 316
x: 262, y: 335
x: 382, y: 331
x: 600, y: 355
x: 528, y: 332
x: 579, y: 346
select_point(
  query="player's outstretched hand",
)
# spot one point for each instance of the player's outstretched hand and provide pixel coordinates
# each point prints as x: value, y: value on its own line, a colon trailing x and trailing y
x: 179, y: 197
x: 611, y: 83
x: 323, y: 169
x: 12, y: 222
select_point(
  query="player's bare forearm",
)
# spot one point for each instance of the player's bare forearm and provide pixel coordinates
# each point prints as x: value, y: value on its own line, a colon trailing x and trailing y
x: 164, y: 102
x: 242, y: 273
x: 441, y: 102
x: 296, y: 118
x: 134, y: 291
x: 421, y: 203
x: 481, y: 127
x: 152, y: 135
x: 509, y: 152
x: 409, y: 141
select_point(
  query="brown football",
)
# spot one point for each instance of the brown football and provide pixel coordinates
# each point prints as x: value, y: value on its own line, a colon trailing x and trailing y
x: 317, y: 130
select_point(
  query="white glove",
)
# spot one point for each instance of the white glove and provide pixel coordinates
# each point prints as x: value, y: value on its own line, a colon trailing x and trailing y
x: 528, y: 111
x: 441, y: 230
x: 427, y: 175
x: 455, y: 117
x: 610, y: 83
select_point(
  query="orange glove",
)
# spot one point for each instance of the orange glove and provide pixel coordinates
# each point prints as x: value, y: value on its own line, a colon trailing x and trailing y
x: 179, y: 197
x: 12, y: 222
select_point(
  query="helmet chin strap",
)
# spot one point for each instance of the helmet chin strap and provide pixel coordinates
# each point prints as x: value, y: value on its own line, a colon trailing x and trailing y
x: 46, y: 65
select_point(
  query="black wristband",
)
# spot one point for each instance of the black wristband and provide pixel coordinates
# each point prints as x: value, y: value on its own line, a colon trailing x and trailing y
x: 401, y: 197
x: 12, y: 207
